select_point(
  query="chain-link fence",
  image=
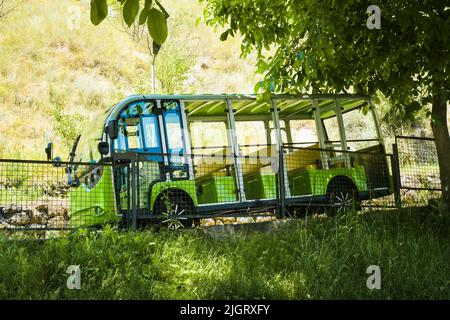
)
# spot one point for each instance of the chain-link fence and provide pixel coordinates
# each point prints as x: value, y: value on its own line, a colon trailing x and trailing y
x: 418, y: 168
x: 44, y: 195
x: 179, y: 190
x: 337, y: 180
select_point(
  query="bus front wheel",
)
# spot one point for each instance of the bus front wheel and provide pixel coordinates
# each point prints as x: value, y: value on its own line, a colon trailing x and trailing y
x: 173, y: 206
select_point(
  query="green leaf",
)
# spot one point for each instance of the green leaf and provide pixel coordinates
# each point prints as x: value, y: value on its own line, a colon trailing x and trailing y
x: 144, y: 13
x: 130, y: 11
x: 143, y: 16
x: 258, y: 86
x: 224, y: 36
x: 166, y: 14
x: 148, y: 5
x: 99, y: 11
x: 157, y: 25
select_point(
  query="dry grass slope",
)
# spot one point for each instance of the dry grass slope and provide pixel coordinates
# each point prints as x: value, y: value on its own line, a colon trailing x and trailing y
x: 55, y: 77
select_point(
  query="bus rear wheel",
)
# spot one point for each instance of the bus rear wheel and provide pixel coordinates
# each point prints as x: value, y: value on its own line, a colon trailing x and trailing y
x: 342, y: 199
x: 174, y: 206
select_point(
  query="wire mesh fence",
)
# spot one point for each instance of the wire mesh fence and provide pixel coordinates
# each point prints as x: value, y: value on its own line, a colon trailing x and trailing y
x: 418, y: 169
x: 337, y: 180
x: 180, y: 190
x: 56, y: 195
x: 262, y: 181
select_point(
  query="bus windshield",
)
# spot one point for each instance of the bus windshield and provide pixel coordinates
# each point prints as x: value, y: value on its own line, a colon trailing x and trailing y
x: 138, y: 128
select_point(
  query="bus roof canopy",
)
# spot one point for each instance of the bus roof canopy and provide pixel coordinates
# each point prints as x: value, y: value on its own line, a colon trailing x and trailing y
x: 289, y: 106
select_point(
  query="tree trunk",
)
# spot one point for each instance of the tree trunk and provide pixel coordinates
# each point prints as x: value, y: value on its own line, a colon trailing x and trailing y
x: 442, y: 141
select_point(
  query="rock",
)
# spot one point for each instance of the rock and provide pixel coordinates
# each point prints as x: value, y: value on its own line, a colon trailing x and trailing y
x: 58, y: 212
x: 57, y: 222
x: 229, y: 220
x: 51, y: 234
x: 19, y: 219
x: 5, y: 225
x: 219, y: 223
x: 208, y: 222
x: 11, y: 209
x: 245, y: 220
x: 43, y: 208
x: 263, y: 219
x: 35, y: 226
x: 39, y: 217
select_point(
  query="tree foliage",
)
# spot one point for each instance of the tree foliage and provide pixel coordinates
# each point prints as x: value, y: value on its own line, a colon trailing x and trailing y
x: 148, y: 11
x: 326, y: 46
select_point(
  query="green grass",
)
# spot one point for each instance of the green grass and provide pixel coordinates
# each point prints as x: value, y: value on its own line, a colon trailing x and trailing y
x: 324, y: 259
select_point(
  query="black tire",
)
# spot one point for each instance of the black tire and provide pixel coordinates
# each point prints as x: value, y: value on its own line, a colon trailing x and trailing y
x: 175, y: 205
x: 342, y: 198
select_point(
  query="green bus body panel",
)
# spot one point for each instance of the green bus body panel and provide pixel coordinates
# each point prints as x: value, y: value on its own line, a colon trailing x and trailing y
x: 260, y: 186
x: 316, y: 181
x: 187, y: 186
x: 217, y: 190
x: 93, y: 206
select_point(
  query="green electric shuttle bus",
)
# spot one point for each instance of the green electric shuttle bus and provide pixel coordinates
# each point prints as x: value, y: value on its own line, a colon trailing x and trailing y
x: 200, y: 154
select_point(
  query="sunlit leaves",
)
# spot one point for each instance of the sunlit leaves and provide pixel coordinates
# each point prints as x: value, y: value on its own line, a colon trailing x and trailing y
x: 326, y: 47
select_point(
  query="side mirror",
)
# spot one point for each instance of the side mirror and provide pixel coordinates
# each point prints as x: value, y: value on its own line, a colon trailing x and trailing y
x: 113, y: 129
x: 103, y: 148
x: 49, y: 151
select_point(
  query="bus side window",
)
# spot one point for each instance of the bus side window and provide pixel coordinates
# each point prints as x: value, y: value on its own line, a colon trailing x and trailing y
x: 303, y: 132
x: 174, y: 132
x: 132, y: 132
x: 119, y: 143
x: 172, y: 122
x: 273, y: 135
x: 151, y: 137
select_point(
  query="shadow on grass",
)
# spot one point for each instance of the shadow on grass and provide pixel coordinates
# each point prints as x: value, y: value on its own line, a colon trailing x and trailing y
x: 321, y: 259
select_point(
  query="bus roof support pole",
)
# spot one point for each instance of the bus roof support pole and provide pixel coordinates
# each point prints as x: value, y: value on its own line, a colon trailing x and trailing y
x: 134, y: 187
x: 321, y: 132
x: 163, y: 140
x: 186, y: 140
x: 236, y: 151
x: 376, y: 121
x: 341, y: 126
x: 268, y: 131
x: 279, y: 143
x: 287, y: 126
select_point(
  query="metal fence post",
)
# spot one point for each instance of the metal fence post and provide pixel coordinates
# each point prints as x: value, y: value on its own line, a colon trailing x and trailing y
x: 133, y: 195
x: 396, y: 175
x: 281, y: 181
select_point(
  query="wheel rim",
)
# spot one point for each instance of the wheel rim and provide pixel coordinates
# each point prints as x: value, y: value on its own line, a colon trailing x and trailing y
x: 173, y: 217
x: 342, y: 201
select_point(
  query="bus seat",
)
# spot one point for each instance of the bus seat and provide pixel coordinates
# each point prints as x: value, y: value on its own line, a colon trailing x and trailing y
x: 206, y: 165
x: 256, y: 160
x: 301, y: 159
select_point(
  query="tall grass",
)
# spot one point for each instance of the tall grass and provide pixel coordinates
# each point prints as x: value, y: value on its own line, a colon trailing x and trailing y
x: 324, y: 259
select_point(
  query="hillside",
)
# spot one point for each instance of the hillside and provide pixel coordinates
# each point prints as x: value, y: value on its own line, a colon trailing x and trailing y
x: 57, y: 69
